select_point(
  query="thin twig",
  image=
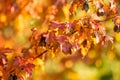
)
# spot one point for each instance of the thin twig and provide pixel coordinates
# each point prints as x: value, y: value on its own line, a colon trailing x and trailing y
x: 41, y: 54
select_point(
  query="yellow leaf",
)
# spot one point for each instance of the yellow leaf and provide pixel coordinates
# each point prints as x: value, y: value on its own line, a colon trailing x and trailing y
x: 38, y: 62
x: 94, y: 41
x: 84, y: 51
x: 66, y: 11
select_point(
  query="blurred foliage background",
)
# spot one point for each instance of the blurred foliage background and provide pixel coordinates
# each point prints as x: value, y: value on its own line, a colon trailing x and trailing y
x: 17, y: 17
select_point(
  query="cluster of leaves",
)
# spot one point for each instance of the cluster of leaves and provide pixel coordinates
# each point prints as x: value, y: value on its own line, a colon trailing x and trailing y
x: 81, y: 34
x: 72, y: 37
x: 13, y: 69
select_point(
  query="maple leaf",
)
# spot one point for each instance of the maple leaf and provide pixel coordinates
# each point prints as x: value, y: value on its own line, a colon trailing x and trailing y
x: 109, y: 38
x: 76, y: 45
x: 100, y: 8
x: 95, y: 17
x: 50, y: 38
x: 61, y: 39
x: 94, y: 25
x: 53, y: 24
x: 66, y: 47
x: 113, y: 6
x: 59, y: 25
x: 18, y: 61
x: 70, y: 28
x: 105, y: 39
x: 28, y: 68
